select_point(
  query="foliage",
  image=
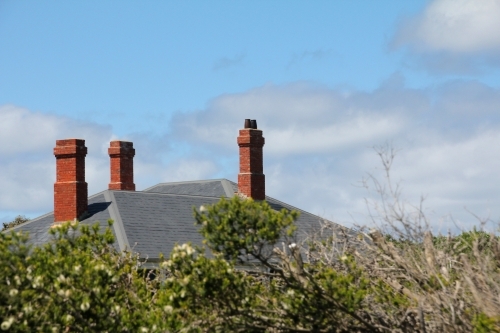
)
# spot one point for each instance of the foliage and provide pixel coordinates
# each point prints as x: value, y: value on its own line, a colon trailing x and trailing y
x: 242, y: 229
x: 20, y: 219
x: 256, y: 274
x: 77, y: 282
x: 202, y: 292
x: 273, y: 289
x: 398, y: 277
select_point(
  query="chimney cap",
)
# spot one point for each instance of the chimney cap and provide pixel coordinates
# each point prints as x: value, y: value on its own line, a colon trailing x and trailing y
x: 70, y: 142
x: 121, y: 143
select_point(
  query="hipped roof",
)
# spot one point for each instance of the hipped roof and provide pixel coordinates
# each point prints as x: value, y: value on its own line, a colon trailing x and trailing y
x: 152, y: 221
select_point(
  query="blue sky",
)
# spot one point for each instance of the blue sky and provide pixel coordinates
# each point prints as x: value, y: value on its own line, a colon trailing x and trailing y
x: 326, y: 81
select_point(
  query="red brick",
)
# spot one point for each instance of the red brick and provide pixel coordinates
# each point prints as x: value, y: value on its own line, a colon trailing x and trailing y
x: 251, y: 179
x: 121, y: 155
x: 70, y: 188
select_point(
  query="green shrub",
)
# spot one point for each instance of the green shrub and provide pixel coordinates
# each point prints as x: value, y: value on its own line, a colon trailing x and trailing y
x: 77, y: 282
x: 253, y: 275
x: 20, y: 219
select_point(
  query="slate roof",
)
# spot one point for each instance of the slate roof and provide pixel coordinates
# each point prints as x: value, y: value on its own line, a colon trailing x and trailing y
x: 154, y: 220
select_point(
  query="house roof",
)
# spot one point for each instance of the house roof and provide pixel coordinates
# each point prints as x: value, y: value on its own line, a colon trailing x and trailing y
x: 152, y: 221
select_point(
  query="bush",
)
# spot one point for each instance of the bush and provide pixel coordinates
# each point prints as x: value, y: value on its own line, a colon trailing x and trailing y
x: 398, y: 277
x: 350, y: 282
x: 77, y: 282
x: 20, y: 219
x: 255, y: 275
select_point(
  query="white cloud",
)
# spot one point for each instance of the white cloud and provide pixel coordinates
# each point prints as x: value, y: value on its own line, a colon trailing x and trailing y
x: 332, y: 137
x: 469, y: 98
x: 458, y: 26
x: 27, y: 163
x: 455, y: 174
x: 452, y: 37
x: 455, y: 177
x: 180, y: 169
x: 301, y: 118
x: 318, y: 147
x: 318, y: 143
x: 26, y: 131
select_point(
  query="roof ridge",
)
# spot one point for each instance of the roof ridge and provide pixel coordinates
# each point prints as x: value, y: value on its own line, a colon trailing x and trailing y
x: 300, y: 210
x: 169, y: 194
x: 185, y: 182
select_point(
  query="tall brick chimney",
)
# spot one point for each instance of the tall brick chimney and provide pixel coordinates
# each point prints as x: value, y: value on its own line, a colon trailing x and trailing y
x: 122, y: 154
x: 70, y: 188
x: 251, y: 180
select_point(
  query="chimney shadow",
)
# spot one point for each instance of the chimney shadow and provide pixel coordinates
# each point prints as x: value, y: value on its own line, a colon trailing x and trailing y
x: 97, y: 207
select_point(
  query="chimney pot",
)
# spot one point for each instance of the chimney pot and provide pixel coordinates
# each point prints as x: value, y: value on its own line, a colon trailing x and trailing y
x: 248, y: 124
x: 253, y: 123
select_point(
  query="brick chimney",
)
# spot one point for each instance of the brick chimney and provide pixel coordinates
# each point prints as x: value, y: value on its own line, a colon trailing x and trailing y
x: 251, y: 181
x: 121, y: 154
x: 70, y: 188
